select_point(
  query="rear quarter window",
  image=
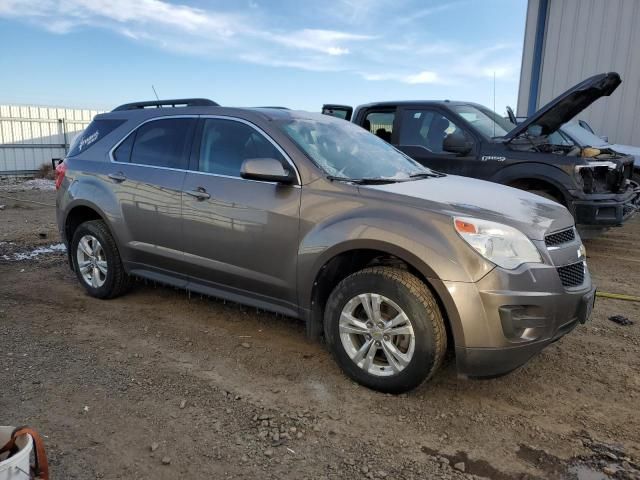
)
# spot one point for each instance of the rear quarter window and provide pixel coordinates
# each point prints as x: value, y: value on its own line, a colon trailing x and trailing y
x: 91, y: 135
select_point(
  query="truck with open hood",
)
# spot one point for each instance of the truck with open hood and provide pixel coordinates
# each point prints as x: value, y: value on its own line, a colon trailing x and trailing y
x: 464, y: 138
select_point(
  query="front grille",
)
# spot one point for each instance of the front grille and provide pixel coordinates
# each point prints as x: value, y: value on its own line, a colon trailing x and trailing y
x: 558, y: 238
x: 627, y: 210
x: 572, y: 275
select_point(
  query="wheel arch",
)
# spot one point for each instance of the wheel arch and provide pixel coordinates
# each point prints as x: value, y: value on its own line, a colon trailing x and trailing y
x: 342, y: 261
x: 537, y: 173
x: 79, y: 213
x: 530, y: 183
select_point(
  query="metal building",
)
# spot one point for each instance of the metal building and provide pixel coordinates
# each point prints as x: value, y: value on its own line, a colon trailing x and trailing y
x: 567, y: 41
x: 32, y: 135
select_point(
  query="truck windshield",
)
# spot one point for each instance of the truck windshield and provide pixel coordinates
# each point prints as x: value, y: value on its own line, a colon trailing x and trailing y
x: 489, y: 123
x: 349, y: 152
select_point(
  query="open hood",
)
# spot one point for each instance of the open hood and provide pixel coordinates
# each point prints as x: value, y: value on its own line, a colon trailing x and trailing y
x: 566, y: 106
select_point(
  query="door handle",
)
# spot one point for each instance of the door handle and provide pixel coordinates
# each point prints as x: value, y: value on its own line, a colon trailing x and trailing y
x: 117, y: 177
x: 200, y: 193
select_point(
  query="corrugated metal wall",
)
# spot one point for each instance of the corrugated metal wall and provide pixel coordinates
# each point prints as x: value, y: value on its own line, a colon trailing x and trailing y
x: 582, y: 38
x: 33, y: 135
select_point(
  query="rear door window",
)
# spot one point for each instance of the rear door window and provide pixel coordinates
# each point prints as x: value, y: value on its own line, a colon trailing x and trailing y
x: 123, y: 152
x: 380, y: 124
x: 161, y: 143
x: 339, y: 111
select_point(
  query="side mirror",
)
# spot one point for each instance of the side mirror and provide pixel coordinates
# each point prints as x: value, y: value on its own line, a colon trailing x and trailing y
x: 458, y: 143
x: 266, y: 170
x: 605, y: 138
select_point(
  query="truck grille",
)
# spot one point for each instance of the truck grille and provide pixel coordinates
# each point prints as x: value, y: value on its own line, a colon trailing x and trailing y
x: 572, y: 275
x: 558, y: 238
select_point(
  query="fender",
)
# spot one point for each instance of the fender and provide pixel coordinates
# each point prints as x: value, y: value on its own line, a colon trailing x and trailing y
x: 93, y: 193
x: 554, y: 176
x: 424, y: 246
x: 539, y: 171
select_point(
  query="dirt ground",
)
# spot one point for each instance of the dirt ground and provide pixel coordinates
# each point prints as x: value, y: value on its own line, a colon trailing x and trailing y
x: 159, y: 384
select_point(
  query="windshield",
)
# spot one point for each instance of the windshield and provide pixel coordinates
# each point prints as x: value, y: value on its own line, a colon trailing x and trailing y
x: 583, y: 137
x: 346, y: 150
x: 489, y: 123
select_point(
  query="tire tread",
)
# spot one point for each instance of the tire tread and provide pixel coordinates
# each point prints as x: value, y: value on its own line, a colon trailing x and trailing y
x: 422, y: 293
x: 121, y: 279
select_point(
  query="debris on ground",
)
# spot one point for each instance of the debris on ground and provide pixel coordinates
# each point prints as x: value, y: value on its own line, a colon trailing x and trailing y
x: 20, y: 185
x: 621, y: 320
x: 36, y: 252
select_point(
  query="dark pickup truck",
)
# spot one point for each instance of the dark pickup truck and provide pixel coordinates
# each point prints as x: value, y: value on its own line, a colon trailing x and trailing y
x: 463, y: 138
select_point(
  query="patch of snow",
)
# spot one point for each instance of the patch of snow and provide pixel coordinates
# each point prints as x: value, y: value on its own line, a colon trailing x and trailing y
x: 33, y: 184
x: 16, y: 257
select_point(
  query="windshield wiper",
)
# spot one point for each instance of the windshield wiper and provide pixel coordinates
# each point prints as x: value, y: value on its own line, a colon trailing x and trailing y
x: 427, y: 175
x: 366, y: 181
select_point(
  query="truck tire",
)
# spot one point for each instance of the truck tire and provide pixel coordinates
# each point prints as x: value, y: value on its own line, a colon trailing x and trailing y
x: 97, y: 262
x: 385, y: 329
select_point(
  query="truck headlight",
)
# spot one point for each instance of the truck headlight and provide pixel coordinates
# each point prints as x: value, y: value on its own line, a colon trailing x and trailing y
x: 503, y: 245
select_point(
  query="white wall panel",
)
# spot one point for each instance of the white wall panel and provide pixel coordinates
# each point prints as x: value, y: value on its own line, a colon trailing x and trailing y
x: 583, y: 38
x: 32, y: 135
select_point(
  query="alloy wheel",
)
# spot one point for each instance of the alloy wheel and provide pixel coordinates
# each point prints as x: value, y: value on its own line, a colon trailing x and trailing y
x: 377, y: 334
x: 92, y: 262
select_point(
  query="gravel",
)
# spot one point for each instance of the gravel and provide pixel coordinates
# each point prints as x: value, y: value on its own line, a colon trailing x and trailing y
x: 284, y: 410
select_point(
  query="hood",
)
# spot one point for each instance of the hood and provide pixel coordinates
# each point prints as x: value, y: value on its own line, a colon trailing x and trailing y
x: 563, y: 108
x: 461, y: 196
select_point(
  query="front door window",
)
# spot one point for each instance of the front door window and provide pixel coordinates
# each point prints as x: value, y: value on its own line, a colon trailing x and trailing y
x: 427, y: 129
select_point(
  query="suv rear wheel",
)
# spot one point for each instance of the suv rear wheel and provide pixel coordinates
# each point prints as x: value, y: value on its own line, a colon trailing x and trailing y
x: 385, y: 329
x: 97, y: 262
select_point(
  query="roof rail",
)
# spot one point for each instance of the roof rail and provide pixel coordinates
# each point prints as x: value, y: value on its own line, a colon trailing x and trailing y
x: 179, y: 102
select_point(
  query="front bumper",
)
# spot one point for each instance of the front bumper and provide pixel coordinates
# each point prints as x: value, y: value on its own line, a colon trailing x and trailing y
x: 509, y: 316
x: 607, y: 210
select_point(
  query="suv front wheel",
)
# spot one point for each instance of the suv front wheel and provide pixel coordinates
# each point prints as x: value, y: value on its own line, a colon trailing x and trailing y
x: 97, y: 262
x: 385, y: 329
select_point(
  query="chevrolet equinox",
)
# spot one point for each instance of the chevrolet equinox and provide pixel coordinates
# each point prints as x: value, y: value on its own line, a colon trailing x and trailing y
x: 316, y: 218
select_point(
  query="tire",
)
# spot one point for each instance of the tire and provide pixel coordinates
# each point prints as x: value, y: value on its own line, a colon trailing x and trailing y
x: 111, y: 280
x: 413, y: 297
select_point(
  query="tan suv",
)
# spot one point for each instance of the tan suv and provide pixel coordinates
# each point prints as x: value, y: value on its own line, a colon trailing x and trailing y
x: 316, y: 218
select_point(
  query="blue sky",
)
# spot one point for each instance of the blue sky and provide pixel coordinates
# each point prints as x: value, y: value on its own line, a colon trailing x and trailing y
x: 294, y: 53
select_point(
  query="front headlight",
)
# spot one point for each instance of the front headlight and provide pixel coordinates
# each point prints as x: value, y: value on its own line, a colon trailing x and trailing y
x: 503, y: 245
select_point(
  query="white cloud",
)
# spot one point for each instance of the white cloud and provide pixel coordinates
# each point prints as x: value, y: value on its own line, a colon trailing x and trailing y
x: 422, y: 77
x: 325, y: 41
x: 372, y: 46
x: 425, y: 12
